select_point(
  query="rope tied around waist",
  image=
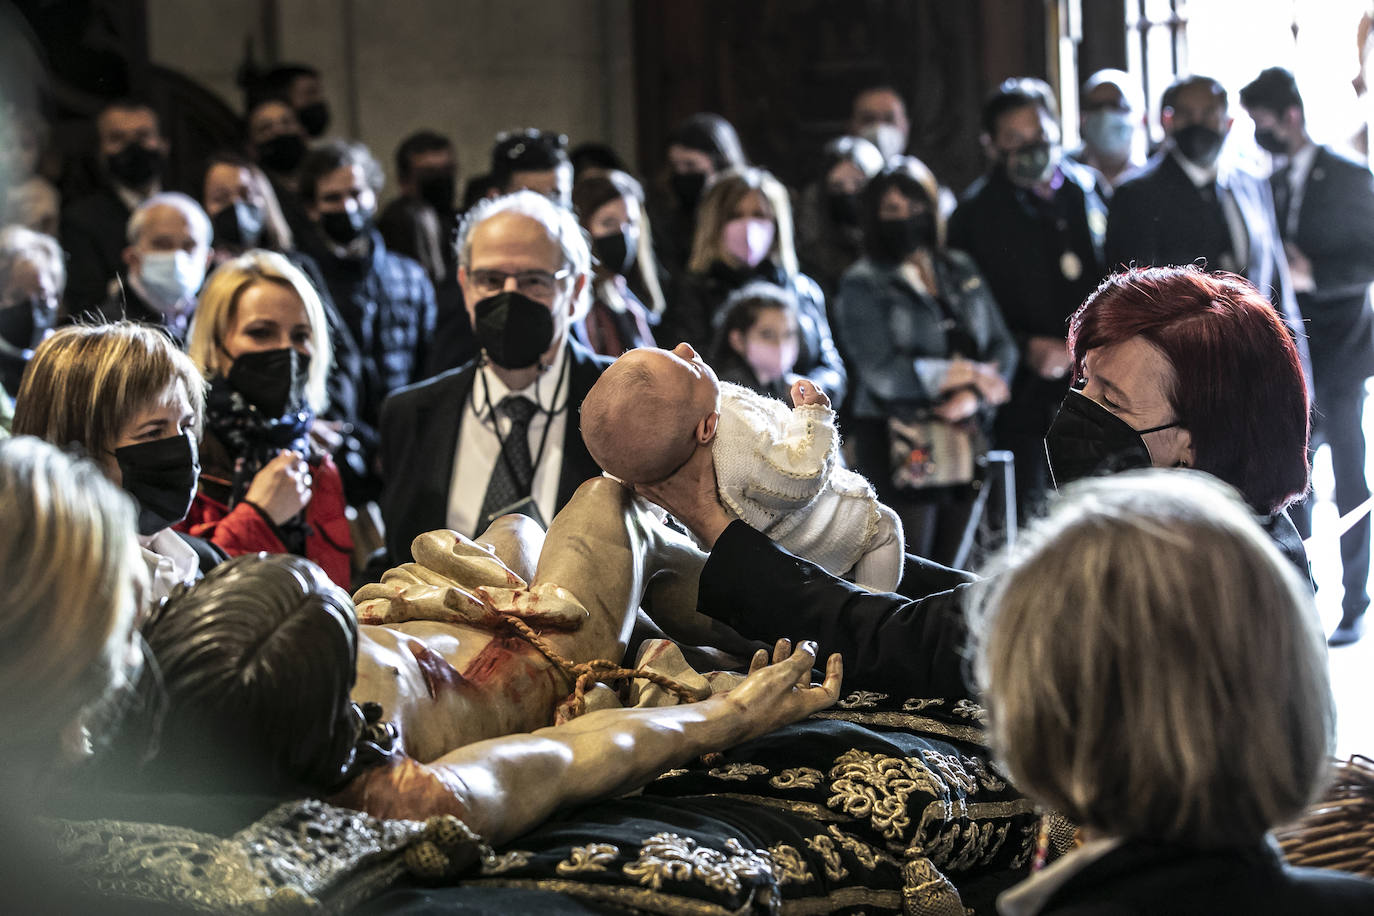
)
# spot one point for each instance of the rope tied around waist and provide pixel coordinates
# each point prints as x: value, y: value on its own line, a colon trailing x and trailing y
x: 585, y: 674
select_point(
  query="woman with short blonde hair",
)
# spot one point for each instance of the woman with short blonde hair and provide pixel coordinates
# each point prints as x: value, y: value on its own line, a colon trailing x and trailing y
x: 744, y: 233
x: 216, y: 311
x: 1154, y: 670
x: 261, y: 339
x: 125, y: 396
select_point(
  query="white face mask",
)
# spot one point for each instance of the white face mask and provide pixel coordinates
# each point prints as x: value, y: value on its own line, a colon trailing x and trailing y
x: 168, y: 277
x: 886, y: 137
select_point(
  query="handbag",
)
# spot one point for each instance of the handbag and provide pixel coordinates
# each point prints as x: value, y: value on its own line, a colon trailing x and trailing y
x: 930, y: 452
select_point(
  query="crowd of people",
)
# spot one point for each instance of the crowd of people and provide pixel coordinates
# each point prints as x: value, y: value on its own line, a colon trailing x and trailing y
x: 268, y: 363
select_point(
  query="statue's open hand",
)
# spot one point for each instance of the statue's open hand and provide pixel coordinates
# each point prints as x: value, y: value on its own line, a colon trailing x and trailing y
x: 780, y: 692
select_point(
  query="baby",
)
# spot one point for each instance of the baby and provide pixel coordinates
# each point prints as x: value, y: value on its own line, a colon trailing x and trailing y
x: 777, y: 469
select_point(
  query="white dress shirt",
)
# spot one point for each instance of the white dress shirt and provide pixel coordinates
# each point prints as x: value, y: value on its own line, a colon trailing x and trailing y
x: 479, y: 447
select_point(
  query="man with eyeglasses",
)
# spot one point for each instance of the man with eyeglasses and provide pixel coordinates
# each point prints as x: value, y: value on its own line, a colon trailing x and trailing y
x: 498, y: 435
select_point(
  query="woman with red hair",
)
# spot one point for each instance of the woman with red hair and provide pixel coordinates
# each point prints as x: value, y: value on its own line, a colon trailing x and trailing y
x: 1177, y: 368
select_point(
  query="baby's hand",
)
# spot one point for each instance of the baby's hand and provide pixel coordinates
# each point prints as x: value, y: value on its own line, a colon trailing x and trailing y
x: 805, y: 393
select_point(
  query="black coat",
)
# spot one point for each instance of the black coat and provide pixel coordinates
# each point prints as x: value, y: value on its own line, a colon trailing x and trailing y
x: 420, y: 428
x: 387, y: 304
x: 93, y: 236
x: 1159, y: 217
x: 1336, y: 232
x: 911, y: 647
x: 1148, y: 878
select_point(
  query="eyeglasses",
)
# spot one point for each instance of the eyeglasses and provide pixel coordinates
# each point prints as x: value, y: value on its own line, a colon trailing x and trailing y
x: 537, y: 284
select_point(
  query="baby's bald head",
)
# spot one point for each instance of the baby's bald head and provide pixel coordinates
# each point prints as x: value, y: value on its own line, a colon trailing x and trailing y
x: 647, y: 413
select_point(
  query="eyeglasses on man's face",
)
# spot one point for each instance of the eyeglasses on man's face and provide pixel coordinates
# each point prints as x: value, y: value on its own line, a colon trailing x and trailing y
x: 537, y: 284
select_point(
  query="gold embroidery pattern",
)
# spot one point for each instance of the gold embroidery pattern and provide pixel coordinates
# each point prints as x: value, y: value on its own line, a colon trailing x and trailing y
x: 868, y: 856
x: 668, y: 856
x: 876, y: 787
x: 824, y: 847
x: 862, y: 699
x: 984, y: 774
x: 971, y: 710
x: 493, y: 864
x: 916, y: 705
x: 789, y: 864
x: 926, y: 892
x: 797, y: 778
x: 738, y: 772
x: 592, y: 857
x: 952, y: 769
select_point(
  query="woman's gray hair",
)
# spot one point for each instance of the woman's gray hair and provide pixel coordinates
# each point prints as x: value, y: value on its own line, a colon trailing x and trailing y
x: 1152, y: 666
x: 18, y: 244
x: 559, y: 222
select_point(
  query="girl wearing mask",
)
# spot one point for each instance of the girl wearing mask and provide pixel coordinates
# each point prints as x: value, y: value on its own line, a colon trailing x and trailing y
x: 830, y: 234
x: 261, y: 340
x: 744, y: 233
x: 928, y: 348
x: 125, y: 396
x: 611, y: 208
x: 242, y: 207
x: 758, y: 341
x: 698, y: 149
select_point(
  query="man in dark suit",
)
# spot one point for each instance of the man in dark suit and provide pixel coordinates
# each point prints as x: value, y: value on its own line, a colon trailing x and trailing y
x: 132, y: 154
x: 499, y: 434
x: 1181, y: 207
x: 1034, y: 224
x: 1325, y: 208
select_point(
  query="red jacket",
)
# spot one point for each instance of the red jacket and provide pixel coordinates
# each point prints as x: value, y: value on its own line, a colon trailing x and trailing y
x: 242, y: 530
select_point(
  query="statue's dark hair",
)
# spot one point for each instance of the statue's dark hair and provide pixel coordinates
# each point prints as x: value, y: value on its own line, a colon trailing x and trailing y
x: 257, y: 660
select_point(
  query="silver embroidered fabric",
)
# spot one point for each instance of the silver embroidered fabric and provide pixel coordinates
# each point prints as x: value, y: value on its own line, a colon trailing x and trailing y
x: 301, y: 855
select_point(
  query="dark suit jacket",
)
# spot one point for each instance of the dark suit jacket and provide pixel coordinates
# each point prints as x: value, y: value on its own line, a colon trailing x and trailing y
x: 1149, y: 878
x: 1336, y: 232
x: 93, y: 235
x: 420, y: 428
x: 1156, y: 218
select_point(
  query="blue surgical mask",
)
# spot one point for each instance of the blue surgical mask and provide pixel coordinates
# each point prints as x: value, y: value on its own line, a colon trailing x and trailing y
x: 1109, y: 132
x: 168, y: 277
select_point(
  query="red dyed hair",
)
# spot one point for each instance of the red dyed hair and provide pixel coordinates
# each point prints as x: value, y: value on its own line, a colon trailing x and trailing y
x: 1238, y: 383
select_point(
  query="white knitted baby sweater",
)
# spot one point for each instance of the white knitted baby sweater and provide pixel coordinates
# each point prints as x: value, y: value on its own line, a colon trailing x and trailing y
x: 777, y: 470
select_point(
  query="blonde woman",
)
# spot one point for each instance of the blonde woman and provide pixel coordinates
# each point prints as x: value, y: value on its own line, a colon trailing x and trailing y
x: 744, y: 233
x: 1154, y: 670
x: 125, y: 396
x: 261, y: 340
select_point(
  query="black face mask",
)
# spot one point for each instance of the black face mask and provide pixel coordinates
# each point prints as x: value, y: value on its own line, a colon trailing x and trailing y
x: 897, y: 238
x: 161, y: 477
x: 615, y: 252
x: 513, y: 329
x: 1030, y: 165
x: 437, y: 189
x: 343, y: 226
x: 273, y: 381
x: 1199, y: 144
x: 844, y: 208
x: 135, y: 165
x: 23, y: 323
x: 282, y: 153
x: 688, y: 187
x: 1270, y: 142
x: 1087, y: 439
x: 314, y: 118
x: 239, y: 225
